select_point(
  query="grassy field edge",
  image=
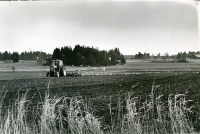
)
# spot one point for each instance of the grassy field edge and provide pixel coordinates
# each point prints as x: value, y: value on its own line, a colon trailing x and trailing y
x: 57, y: 115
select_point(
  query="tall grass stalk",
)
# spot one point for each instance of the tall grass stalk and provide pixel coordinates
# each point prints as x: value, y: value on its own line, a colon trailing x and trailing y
x: 57, y: 115
x: 14, y: 120
x: 61, y: 115
x: 156, y: 116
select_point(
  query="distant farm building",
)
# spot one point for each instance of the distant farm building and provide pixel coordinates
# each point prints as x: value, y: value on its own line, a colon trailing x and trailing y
x: 198, y: 56
x: 195, y: 56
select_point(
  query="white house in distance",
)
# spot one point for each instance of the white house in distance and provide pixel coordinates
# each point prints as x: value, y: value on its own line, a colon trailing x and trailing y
x: 197, y: 55
x: 193, y: 57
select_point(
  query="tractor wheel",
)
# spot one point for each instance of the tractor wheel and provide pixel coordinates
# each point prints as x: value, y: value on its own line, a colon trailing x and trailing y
x: 48, y: 74
x: 57, y: 74
x: 64, y: 73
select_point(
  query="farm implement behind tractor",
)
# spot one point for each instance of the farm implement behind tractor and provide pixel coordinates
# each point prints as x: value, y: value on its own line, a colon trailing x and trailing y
x: 58, y: 69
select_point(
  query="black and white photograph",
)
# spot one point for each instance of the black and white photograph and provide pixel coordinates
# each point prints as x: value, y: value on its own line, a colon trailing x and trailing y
x: 99, y: 67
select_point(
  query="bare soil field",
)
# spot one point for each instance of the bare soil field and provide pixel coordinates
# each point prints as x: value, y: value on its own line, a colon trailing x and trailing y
x: 101, y: 89
x: 104, y: 87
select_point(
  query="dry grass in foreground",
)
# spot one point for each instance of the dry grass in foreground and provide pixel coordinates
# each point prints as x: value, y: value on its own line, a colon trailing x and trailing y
x: 61, y: 115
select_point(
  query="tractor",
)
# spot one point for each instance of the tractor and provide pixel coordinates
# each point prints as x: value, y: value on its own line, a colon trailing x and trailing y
x: 56, y: 69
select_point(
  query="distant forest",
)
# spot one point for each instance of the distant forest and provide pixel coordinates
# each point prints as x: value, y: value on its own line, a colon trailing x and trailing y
x: 179, y: 56
x: 82, y: 55
x: 15, y: 56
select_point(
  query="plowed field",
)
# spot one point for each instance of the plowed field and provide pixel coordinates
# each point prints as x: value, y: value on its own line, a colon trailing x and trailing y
x: 101, y: 89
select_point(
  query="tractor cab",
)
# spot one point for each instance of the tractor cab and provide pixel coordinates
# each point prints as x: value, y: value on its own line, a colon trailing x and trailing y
x: 56, y: 63
x: 57, y: 68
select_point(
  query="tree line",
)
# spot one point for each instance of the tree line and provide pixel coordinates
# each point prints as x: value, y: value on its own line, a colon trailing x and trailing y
x: 15, y: 56
x: 84, y: 56
x: 179, y: 56
x: 142, y: 56
x: 184, y: 55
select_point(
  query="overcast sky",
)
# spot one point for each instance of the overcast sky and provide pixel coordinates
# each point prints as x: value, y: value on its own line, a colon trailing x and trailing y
x: 132, y: 26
